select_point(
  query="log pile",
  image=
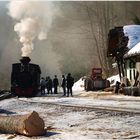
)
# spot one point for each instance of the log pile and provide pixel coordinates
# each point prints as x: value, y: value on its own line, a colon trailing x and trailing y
x: 30, y: 124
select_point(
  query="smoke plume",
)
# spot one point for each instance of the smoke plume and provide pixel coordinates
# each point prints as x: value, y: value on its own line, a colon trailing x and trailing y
x: 33, y: 21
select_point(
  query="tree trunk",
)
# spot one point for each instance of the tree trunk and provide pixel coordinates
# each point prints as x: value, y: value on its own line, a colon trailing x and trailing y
x: 30, y: 124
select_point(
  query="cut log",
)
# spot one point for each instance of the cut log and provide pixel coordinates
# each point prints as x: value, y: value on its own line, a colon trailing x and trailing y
x: 30, y: 124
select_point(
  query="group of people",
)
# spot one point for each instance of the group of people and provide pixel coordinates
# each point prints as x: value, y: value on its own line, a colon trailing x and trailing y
x: 66, y: 84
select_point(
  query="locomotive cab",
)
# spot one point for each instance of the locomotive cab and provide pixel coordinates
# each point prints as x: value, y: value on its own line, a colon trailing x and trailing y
x: 25, y: 78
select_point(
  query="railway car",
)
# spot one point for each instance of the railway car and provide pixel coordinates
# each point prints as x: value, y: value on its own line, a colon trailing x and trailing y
x: 25, y: 78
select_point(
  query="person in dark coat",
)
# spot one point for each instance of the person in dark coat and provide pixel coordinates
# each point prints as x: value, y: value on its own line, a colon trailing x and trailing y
x: 42, y: 84
x: 70, y: 82
x: 55, y: 84
x: 49, y: 85
x: 63, y: 85
x: 46, y: 81
x: 117, y: 87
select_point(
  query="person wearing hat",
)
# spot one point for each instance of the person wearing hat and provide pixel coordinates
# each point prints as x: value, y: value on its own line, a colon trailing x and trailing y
x: 55, y: 84
x: 70, y: 82
x: 63, y: 85
x: 42, y: 84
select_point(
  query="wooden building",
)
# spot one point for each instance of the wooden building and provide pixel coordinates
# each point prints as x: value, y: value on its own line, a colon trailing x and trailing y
x: 125, y: 49
x: 132, y: 64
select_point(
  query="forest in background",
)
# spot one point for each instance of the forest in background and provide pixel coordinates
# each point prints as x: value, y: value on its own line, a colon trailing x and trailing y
x: 77, y: 39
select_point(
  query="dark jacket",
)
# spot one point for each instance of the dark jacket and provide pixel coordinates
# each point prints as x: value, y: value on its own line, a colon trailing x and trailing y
x: 55, y: 82
x: 70, y: 81
x: 63, y: 82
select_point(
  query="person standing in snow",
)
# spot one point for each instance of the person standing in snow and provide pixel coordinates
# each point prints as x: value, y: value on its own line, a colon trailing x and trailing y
x: 55, y: 84
x: 42, y: 84
x: 63, y: 85
x: 49, y: 84
x: 70, y: 82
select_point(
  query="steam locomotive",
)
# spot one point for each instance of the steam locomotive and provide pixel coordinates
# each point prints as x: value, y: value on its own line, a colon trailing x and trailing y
x: 25, y: 78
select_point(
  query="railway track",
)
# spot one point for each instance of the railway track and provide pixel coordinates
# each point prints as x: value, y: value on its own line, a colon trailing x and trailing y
x: 105, y: 108
x: 52, y: 112
x: 5, y: 95
x: 87, y: 107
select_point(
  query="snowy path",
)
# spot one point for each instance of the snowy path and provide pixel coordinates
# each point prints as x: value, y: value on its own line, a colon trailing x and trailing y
x: 73, y: 123
x: 120, y: 105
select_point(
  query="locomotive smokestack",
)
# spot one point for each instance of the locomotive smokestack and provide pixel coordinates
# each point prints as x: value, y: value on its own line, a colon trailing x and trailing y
x: 25, y: 60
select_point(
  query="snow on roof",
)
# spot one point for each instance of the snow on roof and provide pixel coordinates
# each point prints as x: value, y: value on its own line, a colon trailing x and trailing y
x: 134, y: 51
x: 133, y: 33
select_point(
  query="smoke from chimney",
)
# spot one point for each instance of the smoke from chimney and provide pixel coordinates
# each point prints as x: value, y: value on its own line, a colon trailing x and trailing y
x: 33, y: 21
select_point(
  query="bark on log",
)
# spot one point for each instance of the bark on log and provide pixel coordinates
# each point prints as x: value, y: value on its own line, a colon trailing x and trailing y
x: 30, y: 124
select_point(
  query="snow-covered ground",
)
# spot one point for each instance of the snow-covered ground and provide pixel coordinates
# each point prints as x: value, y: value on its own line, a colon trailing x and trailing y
x: 113, y: 79
x: 82, y: 117
x: 78, y: 86
x: 123, y: 102
x: 72, y: 123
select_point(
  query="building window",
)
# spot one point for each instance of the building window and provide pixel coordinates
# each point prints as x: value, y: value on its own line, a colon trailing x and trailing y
x: 132, y: 64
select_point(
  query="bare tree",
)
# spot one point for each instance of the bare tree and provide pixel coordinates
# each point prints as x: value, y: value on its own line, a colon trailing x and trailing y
x: 101, y: 20
x: 90, y: 22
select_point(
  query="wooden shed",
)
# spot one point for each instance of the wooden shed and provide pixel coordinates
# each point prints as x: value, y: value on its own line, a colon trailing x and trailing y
x: 132, y: 64
x: 124, y: 46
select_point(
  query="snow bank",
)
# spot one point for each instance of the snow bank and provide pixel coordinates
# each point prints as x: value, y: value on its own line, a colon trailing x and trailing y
x: 113, y: 79
x: 79, y: 85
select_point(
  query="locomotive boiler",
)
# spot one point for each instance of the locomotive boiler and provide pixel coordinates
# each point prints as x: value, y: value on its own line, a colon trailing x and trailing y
x: 25, y: 78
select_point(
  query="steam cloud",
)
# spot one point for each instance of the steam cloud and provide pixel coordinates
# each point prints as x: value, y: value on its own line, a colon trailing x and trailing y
x: 33, y: 20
